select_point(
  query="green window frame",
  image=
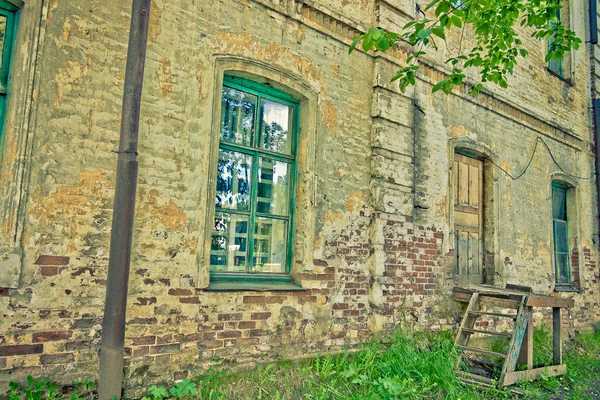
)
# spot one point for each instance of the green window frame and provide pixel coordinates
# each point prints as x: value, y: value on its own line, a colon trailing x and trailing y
x: 556, y: 66
x: 9, y: 18
x: 560, y: 233
x: 252, y: 236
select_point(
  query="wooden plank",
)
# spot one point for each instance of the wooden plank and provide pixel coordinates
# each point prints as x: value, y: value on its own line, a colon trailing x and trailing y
x: 462, y: 253
x: 487, y: 332
x: 463, y: 184
x: 513, y: 377
x: 519, y: 288
x: 514, y: 348
x: 461, y: 297
x: 499, y: 302
x: 456, y: 182
x: 471, y: 263
x: 466, y: 219
x: 549, y: 301
x: 526, y: 355
x: 473, y: 186
x: 474, y: 377
x: 482, y: 351
x: 556, y: 337
x: 467, y: 322
x: 494, y: 314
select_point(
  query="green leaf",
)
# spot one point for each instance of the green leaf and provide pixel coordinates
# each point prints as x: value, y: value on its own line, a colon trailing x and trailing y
x: 425, y: 33
x: 354, y: 43
x: 439, y: 32
x: 438, y: 86
x: 456, y: 21
x: 442, y: 8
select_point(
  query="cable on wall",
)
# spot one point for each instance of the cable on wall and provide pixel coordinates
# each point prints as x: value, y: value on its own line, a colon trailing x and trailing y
x: 539, y: 139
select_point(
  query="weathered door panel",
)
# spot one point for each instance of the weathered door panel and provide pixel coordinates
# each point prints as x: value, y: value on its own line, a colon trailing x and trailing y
x: 468, y: 218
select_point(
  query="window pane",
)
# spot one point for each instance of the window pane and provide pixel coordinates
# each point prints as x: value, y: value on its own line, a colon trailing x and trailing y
x: 270, y: 245
x: 237, y: 117
x: 561, y: 243
x: 559, y: 199
x: 562, y: 268
x: 2, y: 36
x: 277, y: 121
x: 273, y: 183
x: 234, y: 175
x: 229, y: 243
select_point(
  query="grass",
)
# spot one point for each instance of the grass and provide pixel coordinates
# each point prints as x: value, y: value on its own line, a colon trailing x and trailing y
x: 409, y: 366
x: 416, y: 366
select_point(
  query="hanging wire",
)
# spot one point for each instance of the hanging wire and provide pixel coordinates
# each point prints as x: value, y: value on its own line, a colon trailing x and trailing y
x: 539, y: 139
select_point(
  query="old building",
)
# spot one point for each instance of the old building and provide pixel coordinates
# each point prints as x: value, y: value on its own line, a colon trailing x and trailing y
x: 291, y: 200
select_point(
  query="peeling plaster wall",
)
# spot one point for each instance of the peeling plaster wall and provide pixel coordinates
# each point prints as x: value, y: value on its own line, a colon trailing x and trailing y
x: 374, y: 239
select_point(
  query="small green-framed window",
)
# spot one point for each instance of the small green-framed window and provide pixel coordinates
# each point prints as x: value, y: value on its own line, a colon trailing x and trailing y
x: 8, y: 27
x: 556, y: 66
x: 560, y: 228
x: 255, y: 183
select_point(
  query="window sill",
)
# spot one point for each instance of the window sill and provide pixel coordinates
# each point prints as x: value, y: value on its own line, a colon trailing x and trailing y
x: 237, y: 286
x: 570, y: 289
x: 566, y: 81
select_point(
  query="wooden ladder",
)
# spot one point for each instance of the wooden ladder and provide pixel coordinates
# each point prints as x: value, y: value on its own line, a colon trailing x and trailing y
x: 468, y: 328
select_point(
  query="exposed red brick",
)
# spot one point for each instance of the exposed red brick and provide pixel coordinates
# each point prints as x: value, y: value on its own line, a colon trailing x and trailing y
x: 190, y: 300
x: 164, y: 339
x: 141, y: 351
x: 51, y: 336
x: 21, y: 349
x: 165, y: 348
x: 192, y: 337
x: 230, y: 317
x: 229, y: 334
x: 4, y: 292
x: 247, y: 325
x: 48, y: 270
x: 320, y: 263
x: 254, y: 300
x: 307, y: 299
x: 210, y: 344
x: 259, y: 332
x: 144, y: 301
x: 180, y: 292
x: 62, y: 358
x: 52, y: 260
x: 260, y: 315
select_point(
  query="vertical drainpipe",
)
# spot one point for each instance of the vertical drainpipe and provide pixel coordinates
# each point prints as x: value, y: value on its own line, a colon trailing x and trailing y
x: 593, y: 24
x: 113, y: 323
x: 596, y: 110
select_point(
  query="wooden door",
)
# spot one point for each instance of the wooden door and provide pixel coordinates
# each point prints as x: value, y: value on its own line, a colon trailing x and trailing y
x: 468, y: 219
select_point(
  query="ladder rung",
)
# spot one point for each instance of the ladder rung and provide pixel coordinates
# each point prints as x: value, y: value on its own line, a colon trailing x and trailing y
x: 475, y: 384
x: 473, y: 377
x: 514, y: 317
x: 482, y: 351
x: 487, y: 332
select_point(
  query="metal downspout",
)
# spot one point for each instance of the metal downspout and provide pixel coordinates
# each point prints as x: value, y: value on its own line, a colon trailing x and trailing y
x: 113, y: 323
